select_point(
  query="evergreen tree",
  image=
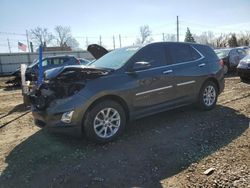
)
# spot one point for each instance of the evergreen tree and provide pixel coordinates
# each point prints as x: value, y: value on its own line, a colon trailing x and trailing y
x: 233, y: 41
x: 189, y: 37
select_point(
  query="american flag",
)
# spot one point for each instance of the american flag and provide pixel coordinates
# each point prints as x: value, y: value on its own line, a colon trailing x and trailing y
x: 22, y: 46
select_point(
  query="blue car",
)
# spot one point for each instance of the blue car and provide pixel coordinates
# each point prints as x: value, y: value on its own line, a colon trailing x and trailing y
x: 31, y: 73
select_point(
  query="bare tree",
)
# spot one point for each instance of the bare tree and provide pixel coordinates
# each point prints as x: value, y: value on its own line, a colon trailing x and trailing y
x: 73, y: 43
x: 170, y: 37
x: 62, y: 34
x: 222, y: 40
x: 244, y: 38
x: 41, y: 35
x: 145, y: 33
x: 206, y: 38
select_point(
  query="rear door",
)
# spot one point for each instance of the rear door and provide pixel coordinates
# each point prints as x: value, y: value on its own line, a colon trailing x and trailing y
x: 154, y: 86
x: 188, y: 66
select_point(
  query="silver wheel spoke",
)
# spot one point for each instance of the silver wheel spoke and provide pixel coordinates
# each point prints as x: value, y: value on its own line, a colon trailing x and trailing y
x: 98, y: 125
x: 101, y: 130
x: 105, y: 131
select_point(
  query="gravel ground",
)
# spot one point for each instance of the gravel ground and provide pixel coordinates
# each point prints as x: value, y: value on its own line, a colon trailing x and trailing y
x: 178, y: 148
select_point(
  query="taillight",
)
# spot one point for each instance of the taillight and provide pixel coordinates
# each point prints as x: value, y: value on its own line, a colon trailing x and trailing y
x: 221, y: 62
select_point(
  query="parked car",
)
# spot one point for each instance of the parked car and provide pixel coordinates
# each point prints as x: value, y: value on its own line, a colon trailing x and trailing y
x: 31, y: 73
x: 230, y: 57
x: 126, y: 84
x: 49, y: 63
x: 243, y: 68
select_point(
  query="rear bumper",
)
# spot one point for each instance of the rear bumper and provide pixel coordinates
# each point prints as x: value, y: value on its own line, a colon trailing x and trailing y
x: 53, y: 123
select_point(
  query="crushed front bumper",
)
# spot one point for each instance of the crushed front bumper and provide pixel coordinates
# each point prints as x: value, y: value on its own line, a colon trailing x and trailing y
x: 52, y: 122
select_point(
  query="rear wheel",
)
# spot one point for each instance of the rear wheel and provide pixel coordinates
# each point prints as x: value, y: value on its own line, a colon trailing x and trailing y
x: 208, y: 96
x: 105, y: 121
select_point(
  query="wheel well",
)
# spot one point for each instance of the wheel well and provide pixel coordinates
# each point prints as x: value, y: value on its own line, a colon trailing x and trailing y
x: 113, y: 98
x: 214, y: 81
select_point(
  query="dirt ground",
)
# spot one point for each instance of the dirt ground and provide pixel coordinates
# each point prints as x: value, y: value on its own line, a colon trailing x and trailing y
x: 170, y: 149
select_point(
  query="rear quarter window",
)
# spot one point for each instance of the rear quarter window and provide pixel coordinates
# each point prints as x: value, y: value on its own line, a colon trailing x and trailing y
x: 207, y: 52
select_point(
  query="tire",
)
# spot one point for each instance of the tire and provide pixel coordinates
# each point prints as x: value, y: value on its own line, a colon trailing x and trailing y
x: 208, y: 96
x: 101, y: 129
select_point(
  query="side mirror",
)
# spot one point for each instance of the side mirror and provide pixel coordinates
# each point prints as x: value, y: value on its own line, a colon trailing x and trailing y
x: 141, y: 66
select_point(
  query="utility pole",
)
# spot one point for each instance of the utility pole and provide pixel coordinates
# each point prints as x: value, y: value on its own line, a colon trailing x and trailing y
x: 27, y: 37
x: 114, y: 41
x: 87, y: 42
x: 120, y: 40
x: 100, y: 40
x: 163, y: 37
x: 177, y: 28
x: 31, y: 47
x: 9, y: 45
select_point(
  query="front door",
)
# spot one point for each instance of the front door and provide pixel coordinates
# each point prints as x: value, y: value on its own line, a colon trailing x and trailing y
x: 153, y: 86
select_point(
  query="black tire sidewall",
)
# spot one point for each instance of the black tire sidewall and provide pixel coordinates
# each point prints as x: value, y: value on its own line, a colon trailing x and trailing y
x: 201, y: 102
x: 91, y: 114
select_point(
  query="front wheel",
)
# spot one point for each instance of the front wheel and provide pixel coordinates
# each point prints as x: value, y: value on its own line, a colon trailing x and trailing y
x: 105, y: 121
x: 208, y: 96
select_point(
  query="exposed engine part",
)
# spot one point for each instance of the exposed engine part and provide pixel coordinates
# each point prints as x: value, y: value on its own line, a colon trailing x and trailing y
x: 66, y: 83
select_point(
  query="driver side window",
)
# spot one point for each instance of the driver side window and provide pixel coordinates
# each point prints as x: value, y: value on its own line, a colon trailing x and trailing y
x: 153, y: 54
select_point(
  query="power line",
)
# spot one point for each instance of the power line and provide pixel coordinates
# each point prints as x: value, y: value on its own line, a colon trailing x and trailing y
x: 8, y: 33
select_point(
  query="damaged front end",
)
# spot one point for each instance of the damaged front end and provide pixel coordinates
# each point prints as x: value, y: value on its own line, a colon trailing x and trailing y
x: 63, y: 82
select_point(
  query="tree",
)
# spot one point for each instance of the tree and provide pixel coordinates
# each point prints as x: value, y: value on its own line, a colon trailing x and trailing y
x: 40, y: 36
x: 189, y: 37
x: 206, y: 38
x: 62, y: 35
x: 244, y: 38
x: 232, y: 41
x: 222, y: 40
x: 145, y: 33
x: 73, y: 43
x: 170, y: 37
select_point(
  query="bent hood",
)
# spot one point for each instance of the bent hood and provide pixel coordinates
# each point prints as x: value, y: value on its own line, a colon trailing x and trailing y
x: 97, y: 51
x: 56, y: 72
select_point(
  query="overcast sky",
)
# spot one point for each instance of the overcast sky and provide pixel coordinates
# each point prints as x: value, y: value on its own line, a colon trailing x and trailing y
x: 113, y: 17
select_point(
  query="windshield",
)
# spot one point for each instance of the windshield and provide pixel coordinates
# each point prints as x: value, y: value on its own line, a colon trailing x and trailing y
x: 115, y: 59
x: 33, y: 63
x: 222, y: 53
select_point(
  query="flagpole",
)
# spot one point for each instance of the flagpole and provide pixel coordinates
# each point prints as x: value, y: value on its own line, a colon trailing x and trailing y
x: 27, y: 37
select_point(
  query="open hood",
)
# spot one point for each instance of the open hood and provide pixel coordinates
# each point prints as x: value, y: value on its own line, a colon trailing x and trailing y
x: 57, y: 72
x: 97, y: 51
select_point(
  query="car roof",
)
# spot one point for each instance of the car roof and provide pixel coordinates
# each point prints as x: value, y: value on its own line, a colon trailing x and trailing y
x: 58, y: 56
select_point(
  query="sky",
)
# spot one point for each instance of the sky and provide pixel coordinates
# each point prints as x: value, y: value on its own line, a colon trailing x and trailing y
x: 90, y: 19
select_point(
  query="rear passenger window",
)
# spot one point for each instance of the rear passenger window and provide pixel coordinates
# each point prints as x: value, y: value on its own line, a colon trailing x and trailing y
x: 153, y: 54
x: 64, y: 60
x: 56, y: 61
x: 181, y: 53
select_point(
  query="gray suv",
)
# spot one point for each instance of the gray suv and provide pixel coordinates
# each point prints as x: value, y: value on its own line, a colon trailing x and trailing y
x: 126, y: 84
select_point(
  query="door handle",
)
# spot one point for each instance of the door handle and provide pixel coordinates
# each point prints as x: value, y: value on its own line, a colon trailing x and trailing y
x: 168, y: 71
x: 202, y: 65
